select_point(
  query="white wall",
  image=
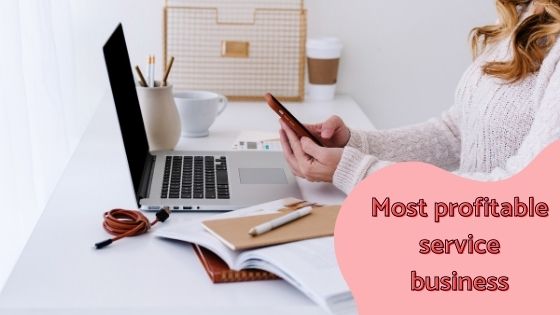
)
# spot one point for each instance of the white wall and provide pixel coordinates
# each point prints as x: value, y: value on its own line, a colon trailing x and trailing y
x: 401, y: 62
x: 93, y: 22
x: 402, y: 59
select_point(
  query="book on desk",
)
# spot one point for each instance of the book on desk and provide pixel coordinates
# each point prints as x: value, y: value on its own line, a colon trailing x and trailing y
x: 219, y: 271
x: 309, y: 265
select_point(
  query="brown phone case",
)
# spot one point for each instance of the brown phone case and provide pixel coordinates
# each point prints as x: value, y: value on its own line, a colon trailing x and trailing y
x: 290, y: 120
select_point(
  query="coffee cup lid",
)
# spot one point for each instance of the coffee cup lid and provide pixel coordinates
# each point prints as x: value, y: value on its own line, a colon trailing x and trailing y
x: 324, y: 47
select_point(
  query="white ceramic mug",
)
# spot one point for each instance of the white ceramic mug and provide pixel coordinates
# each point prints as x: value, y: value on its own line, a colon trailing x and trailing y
x: 198, y: 111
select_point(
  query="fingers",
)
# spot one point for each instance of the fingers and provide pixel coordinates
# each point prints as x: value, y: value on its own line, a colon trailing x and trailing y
x: 330, y: 126
x: 289, y: 154
x: 294, y: 142
x: 315, y: 129
x: 305, y: 157
x: 301, y: 161
x: 328, y: 129
x: 285, y: 143
x: 312, y: 149
x: 312, y: 169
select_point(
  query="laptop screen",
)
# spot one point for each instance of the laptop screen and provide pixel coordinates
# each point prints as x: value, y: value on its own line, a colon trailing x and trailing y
x: 126, y: 103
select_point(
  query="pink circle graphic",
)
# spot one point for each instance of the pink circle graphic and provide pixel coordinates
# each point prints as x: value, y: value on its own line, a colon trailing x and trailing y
x: 489, y: 252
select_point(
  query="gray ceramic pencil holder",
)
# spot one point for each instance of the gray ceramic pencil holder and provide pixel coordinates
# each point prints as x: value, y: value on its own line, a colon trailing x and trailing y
x: 161, y: 119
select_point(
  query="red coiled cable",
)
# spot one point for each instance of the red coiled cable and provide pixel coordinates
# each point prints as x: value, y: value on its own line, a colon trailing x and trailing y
x: 124, y: 223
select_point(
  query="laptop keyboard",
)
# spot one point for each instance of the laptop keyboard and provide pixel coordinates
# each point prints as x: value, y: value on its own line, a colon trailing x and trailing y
x: 195, y: 177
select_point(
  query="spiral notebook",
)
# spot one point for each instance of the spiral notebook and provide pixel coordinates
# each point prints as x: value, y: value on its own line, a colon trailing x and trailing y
x: 219, y: 272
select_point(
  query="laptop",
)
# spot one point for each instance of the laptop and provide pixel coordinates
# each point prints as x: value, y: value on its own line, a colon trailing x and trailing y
x: 188, y: 181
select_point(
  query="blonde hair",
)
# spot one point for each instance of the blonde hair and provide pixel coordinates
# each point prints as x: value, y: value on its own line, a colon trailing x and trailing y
x: 532, y: 39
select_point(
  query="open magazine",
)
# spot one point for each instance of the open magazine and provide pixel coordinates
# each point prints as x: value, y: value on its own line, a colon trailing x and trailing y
x: 310, y: 265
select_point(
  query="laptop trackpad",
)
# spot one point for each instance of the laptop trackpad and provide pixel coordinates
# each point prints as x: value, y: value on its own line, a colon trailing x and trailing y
x: 262, y: 176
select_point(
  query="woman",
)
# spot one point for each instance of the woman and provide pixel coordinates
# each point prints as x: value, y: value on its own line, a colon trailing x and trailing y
x: 506, y: 111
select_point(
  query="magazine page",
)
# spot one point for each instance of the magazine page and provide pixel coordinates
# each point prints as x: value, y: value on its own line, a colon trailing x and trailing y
x: 194, y: 232
x: 310, y: 266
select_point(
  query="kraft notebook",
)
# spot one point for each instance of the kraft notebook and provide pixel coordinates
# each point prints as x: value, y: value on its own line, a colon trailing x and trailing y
x: 234, y: 232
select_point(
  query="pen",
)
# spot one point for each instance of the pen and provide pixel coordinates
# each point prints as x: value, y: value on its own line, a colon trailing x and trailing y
x: 283, y: 220
x: 153, y: 72
x: 141, y: 76
x: 149, y: 71
x: 164, y: 82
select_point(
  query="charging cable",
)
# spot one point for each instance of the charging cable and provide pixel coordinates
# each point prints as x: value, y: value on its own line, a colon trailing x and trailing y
x: 124, y: 223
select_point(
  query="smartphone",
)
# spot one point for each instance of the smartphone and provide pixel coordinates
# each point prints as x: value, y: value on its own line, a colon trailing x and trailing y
x: 290, y: 120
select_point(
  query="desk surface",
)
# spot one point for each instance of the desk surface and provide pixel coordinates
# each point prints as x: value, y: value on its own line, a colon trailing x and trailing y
x: 59, y: 272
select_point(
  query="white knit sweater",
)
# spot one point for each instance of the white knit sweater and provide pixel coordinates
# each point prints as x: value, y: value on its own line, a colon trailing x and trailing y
x: 493, y: 130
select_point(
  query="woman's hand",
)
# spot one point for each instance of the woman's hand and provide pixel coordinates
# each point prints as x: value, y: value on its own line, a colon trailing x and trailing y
x: 307, y: 159
x: 333, y: 132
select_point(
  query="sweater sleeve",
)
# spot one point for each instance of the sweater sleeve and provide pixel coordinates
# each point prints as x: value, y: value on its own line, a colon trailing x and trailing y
x: 436, y: 141
x: 359, y: 160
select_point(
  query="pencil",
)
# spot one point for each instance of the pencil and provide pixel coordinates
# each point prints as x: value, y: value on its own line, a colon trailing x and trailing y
x: 141, y: 76
x: 168, y: 71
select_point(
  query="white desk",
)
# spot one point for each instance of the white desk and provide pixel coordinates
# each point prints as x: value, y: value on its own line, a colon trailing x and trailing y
x: 59, y: 272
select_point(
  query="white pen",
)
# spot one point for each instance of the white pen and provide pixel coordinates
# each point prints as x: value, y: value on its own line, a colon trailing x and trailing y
x: 271, y: 225
x: 149, y: 71
x: 153, y: 72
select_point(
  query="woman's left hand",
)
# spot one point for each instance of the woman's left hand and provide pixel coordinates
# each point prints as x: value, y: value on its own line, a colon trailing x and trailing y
x: 307, y: 159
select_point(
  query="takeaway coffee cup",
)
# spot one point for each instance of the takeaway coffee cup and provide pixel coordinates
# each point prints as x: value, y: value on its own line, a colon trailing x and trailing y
x: 198, y: 110
x: 323, y: 58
